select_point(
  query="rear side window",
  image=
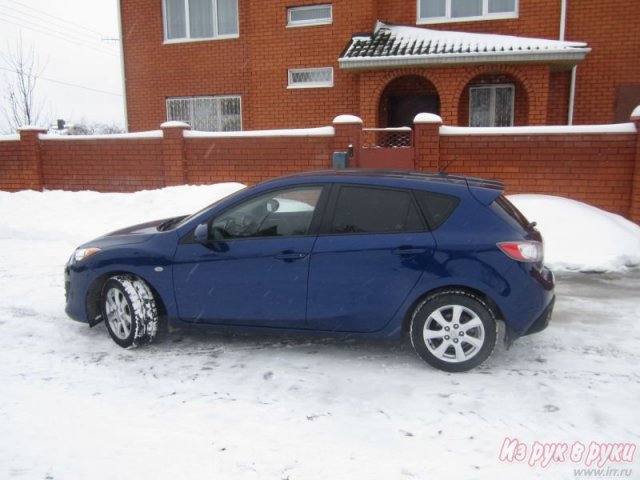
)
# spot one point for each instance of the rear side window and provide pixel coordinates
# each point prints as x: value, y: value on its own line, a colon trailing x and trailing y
x: 436, y: 207
x: 509, y: 213
x: 375, y: 210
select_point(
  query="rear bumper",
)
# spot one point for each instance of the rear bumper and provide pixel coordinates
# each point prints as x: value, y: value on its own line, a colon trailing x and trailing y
x: 542, y: 321
x: 531, y: 310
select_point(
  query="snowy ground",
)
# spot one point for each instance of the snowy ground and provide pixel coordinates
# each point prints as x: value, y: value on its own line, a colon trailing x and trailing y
x: 73, y: 405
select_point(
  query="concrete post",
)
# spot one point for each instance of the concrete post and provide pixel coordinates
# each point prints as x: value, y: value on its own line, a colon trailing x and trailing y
x: 348, y: 132
x: 31, y: 158
x: 427, y: 141
x: 634, y: 210
x: 174, y: 153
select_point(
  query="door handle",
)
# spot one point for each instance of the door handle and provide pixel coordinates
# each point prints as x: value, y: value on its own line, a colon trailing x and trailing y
x: 290, y: 256
x: 407, y: 250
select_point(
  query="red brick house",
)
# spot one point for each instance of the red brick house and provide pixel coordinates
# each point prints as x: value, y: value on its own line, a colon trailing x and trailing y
x: 236, y: 64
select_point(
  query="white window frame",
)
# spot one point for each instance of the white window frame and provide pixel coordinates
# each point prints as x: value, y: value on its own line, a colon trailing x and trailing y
x: 293, y: 85
x: 308, y: 23
x: 492, y: 101
x: 449, y: 19
x: 191, y: 107
x: 187, y: 37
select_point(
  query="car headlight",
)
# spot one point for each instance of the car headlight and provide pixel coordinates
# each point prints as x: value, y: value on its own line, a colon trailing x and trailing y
x: 82, y: 253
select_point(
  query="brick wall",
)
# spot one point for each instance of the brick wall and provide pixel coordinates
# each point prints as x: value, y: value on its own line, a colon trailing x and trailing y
x: 102, y: 165
x: 611, y: 29
x: 255, y: 64
x: 14, y: 173
x: 601, y: 168
x: 252, y: 160
x: 592, y: 168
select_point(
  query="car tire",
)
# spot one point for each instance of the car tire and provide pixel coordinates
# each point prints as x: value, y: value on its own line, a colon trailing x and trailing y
x: 453, y: 331
x: 129, y: 311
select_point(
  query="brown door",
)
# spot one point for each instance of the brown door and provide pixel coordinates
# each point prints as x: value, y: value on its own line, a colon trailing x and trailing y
x: 403, y: 109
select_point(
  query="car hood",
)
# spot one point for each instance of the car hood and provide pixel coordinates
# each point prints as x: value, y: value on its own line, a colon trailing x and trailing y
x: 140, y: 229
x: 134, y: 234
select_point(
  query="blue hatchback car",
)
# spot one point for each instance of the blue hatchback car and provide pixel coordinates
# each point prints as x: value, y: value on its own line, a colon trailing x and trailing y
x: 348, y: 253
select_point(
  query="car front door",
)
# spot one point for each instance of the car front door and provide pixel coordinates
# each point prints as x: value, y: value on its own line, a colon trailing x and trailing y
x: 253, y: 271
x: 371, y: 252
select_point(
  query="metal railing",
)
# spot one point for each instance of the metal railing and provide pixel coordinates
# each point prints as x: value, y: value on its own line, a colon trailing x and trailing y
x: 401, y: 137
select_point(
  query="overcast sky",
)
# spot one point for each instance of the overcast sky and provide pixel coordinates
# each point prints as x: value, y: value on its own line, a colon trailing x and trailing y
x: 76, y: 42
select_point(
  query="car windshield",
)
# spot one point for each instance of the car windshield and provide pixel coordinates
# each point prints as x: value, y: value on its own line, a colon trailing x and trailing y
x: 194, y: 215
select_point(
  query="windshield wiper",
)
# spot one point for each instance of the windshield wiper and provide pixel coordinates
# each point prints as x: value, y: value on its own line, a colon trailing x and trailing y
x: 170, y: 223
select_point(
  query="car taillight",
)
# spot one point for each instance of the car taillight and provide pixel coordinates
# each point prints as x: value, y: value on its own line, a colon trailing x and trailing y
x: 530, y: 252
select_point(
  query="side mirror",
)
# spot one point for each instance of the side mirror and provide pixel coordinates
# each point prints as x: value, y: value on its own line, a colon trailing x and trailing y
x: 201, y: 233
x: 272, y: 205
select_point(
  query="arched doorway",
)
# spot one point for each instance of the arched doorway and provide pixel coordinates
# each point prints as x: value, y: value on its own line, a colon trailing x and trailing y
x: 405, y: 97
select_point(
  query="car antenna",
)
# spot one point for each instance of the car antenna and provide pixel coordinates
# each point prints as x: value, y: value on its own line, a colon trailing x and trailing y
x: 443, y: 170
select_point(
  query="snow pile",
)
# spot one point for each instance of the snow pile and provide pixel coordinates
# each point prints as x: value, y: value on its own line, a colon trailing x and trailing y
x: 577, y: 236
x: 80, y: 216
x: 581, y: 237
x: 208, y: 406
x: 539, y: 130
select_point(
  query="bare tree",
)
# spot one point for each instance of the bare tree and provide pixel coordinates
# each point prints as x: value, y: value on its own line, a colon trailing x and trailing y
x: 95, y: 128
x: 21, y: 106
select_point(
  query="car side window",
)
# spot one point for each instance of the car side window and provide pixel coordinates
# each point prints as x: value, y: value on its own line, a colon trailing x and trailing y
x: 436, y: 207
x: 375, y: 210
x: 275, y: 214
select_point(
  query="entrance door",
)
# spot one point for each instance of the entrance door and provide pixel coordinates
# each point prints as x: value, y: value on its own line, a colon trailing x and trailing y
x: 403, y: 109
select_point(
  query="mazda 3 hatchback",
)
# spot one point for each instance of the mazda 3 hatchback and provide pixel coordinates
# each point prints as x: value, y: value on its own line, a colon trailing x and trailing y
x: 441, y: 259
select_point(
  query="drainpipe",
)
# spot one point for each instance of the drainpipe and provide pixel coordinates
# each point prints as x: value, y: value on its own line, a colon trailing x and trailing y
x: 572, y: 94
x: 563, y: 18
x: 124, y: 77
x: 574, y: 70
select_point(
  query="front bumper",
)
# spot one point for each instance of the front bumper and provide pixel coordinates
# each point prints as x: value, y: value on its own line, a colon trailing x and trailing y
x: 76, y: 285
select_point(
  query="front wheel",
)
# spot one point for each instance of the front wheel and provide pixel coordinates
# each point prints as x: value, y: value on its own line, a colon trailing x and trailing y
x: 129, y: 311
x: 453, y: 331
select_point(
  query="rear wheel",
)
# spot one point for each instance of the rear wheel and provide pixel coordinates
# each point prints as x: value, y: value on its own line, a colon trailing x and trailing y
x: 453, y: 331
x: 129, y: 311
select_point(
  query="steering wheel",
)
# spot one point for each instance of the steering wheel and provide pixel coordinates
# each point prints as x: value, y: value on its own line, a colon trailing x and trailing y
x: 243, y: 226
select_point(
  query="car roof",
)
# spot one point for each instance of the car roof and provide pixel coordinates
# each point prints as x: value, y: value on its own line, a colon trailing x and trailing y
x: 403, y: 176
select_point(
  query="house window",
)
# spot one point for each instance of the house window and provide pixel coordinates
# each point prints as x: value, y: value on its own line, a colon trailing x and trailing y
x: 435, y: 11
x: 310, y: 15
x: 310, y: 77
x: 200, y: 19
x: 491, y: 106
x: 208, y: 114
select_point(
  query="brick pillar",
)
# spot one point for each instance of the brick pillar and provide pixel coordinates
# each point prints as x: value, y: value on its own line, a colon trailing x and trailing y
x: 427, y: 141
x: 348, y: 131
x: 173, y: 153
x: 634, y: 210
x: 31, y: 158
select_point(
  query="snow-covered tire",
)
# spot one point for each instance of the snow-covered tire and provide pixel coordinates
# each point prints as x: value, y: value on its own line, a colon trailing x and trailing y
x: 129, y: 311
x: 453, y: 331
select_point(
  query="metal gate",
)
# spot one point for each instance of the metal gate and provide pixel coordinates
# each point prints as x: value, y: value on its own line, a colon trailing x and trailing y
x: 387, y: 148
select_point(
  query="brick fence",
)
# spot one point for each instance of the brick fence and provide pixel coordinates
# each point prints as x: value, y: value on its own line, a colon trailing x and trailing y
x: 599, y: 165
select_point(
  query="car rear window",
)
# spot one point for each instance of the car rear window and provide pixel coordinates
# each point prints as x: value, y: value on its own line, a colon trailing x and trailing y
x: 436, y: 207
x: 375, y: 210
x: 509, y: 213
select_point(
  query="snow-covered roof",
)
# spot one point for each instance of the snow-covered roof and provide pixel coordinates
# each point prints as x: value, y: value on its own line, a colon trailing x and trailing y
x: 401, y: 46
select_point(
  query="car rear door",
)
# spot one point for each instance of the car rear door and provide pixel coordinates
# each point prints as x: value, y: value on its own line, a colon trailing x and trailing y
x: 371, y: 251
